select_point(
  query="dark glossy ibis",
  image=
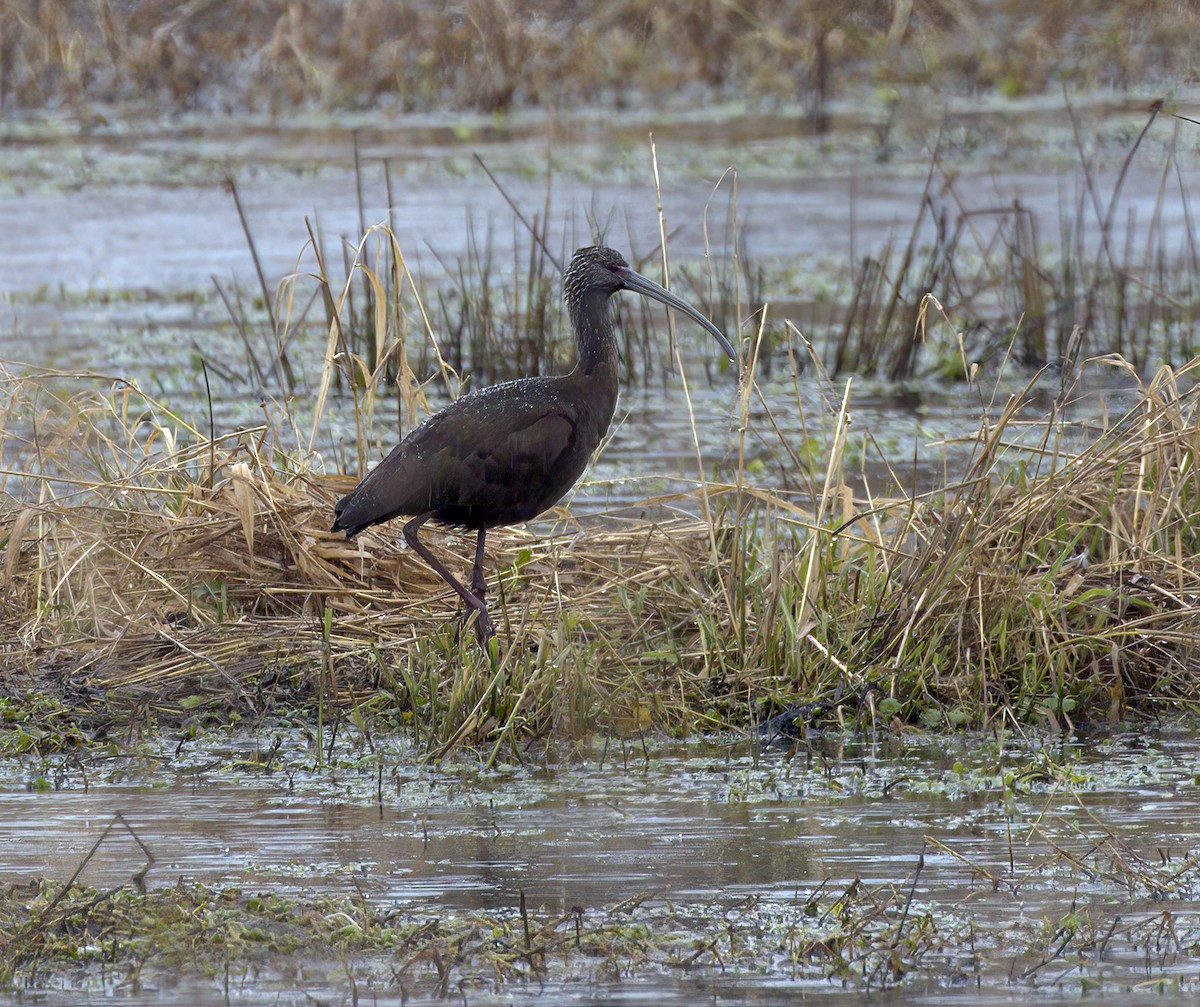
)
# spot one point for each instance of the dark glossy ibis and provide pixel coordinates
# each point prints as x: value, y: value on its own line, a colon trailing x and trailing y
x: 504, y: 454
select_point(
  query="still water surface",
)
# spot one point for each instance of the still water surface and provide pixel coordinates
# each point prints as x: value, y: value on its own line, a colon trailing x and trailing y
x: 698, y: 826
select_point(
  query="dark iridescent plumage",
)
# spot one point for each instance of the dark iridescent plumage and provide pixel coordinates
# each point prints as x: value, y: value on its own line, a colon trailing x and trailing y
x: 505, y: 454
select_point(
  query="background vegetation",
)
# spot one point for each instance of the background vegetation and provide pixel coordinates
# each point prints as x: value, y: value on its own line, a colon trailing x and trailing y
x: 495, y: 55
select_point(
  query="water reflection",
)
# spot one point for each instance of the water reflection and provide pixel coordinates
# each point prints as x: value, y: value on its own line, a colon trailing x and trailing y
x: 684, y: 992
x: 998, y: 837
x: 681, y: 826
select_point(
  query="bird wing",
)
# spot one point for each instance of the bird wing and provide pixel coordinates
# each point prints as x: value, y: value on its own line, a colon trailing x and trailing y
x: 492, y: 453
x: 505, y: 463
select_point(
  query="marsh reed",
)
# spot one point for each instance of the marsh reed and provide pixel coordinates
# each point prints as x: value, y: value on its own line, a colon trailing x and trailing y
x: 1055, y: 578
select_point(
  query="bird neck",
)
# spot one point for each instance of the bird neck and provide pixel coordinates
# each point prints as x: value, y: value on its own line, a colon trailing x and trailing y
x: 594, y: 335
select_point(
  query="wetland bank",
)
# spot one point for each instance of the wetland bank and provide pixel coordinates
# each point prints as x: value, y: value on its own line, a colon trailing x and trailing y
x: 866, y: 670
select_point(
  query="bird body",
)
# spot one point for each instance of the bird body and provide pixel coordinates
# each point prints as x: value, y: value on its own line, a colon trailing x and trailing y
x: 504, y: 454
x: 513, y: 451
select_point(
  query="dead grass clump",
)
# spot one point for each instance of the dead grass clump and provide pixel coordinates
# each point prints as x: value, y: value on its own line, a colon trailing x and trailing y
x: 1066, y: 582
x: 1057, y: 578
x: 166, y: 569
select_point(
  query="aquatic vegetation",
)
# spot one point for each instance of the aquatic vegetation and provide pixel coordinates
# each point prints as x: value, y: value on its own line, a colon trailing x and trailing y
x: 1054, y: 883
x: 47, y: 929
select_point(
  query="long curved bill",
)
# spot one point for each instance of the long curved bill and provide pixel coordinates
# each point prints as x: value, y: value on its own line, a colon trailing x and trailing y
x: 635, y: 281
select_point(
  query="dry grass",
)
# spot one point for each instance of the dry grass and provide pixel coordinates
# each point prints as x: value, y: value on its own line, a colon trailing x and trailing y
x: 1068, y: 583
x: 139, y: 558
x: 1114, y: 280
x: 165, y: 570
x: 277, y: 55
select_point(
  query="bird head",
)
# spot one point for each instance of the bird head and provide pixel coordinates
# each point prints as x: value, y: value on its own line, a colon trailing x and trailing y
x: 594, y: 269
x: 600, y: 270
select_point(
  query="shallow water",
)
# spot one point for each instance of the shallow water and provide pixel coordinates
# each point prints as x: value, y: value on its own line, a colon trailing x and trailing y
x: 115, y: 234
x: 707, y: 991
x: 695, y: 827
x: 141, y: 205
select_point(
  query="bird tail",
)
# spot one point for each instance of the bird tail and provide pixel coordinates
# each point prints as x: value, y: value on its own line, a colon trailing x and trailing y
x: 343, y: 517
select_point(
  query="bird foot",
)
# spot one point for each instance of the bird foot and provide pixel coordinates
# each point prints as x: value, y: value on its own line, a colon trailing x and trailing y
x: 484, y: 629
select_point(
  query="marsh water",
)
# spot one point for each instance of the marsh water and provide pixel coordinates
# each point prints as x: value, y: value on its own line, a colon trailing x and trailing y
x: 113, y: 236
x: 996, y: 839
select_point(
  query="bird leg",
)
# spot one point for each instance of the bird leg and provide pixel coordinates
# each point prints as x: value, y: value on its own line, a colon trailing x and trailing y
x: 483, y: 624
x: 478, y: 583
